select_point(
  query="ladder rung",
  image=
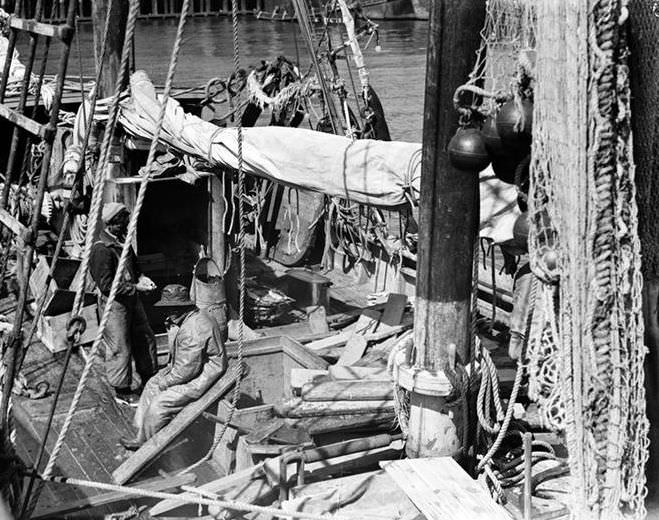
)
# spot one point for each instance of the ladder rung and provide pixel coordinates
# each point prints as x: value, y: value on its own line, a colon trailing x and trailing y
x: 27, y: 124
x: 63, y: 32
x: 12, y: 223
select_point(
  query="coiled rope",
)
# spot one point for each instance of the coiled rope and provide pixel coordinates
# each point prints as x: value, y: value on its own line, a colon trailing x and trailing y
x: 238, y: 368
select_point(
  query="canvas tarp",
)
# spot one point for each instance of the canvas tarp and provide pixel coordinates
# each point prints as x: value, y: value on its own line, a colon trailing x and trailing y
x: 364, y: 171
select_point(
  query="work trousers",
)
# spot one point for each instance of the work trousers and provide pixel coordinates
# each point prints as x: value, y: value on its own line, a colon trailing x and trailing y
x: 128, y: 336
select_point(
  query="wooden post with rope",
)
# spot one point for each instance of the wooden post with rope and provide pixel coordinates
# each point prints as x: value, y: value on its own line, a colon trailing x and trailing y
x: 449, y: 214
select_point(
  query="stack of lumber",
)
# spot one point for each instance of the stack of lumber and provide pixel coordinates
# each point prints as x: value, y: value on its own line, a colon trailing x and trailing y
x: 356, y: 391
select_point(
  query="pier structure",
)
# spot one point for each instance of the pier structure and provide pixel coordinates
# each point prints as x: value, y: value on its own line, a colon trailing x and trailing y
x: 150, y: 9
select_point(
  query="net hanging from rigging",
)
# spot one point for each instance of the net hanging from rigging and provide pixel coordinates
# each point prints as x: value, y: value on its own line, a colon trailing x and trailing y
x: 587, y: 353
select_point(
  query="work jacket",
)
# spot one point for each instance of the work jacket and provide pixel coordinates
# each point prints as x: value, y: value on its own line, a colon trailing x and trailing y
x: 196, y: 354
x: 103, y: 263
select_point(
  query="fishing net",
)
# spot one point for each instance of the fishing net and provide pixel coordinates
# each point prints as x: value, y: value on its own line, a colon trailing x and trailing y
x: 584, y: 239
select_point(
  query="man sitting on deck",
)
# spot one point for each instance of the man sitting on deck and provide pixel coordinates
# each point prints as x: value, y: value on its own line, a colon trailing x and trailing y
x: 127, y: 334
x: 196, y: 360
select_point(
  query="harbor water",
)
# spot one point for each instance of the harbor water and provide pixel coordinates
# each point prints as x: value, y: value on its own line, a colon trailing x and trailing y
x: 397, y: 72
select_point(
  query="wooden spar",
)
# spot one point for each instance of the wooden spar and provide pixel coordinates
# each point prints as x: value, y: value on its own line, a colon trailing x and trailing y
x: 115, y: 41
x: 449, y: 214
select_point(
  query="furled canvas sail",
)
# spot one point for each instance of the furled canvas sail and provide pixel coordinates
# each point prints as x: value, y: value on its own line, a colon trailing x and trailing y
x: 365, y: 171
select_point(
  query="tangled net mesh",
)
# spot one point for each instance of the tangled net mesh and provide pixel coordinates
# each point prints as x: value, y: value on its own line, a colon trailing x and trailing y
x: 584, y: 238
x: 585, y: 348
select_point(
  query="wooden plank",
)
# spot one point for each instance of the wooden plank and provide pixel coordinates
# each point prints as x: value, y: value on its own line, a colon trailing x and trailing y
x: 337, y: 340
x: 218, y: 486
x: 298, y: 408
x: 155, y: 484
x: 160, y: 440
x: 302, y: 356
x: 302, y: 376
x: 11, y: 222
x: 334, y: 423
x: 354, y: 350
x: 347, y: 390
x: 357, y: 343
x: 393, y: 311
x: 372, y: 373
x: 44, y: 29
x: 442, y: 490
x: 27, y: 124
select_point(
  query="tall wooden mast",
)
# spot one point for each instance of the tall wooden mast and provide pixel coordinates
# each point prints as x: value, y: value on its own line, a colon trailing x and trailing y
x: 115, y: 42
x: 448, y: 226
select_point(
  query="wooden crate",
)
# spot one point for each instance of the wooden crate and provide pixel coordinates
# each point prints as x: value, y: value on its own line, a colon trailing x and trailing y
x: 270, y: 360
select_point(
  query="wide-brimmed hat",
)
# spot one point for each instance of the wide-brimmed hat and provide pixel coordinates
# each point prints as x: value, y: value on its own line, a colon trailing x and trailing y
x: 174, y: 295
x: 111, y: 210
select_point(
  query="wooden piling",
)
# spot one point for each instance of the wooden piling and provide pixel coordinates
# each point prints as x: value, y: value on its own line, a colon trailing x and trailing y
x: 449, y: 213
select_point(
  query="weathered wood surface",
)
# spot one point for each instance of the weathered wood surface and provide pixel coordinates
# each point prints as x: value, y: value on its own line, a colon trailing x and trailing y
x: 357, y: 343
x: 359, y: 372
x: 219, y: 486
x: 298, y: 408
x: 160, y: 440
x: 442, y: 490
x: 91, y: 449
x: 375, y: 421
x: 348, y: 390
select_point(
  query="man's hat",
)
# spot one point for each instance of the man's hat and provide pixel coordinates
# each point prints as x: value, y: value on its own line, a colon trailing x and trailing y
x: 111, y: 210
x: 174, y: 295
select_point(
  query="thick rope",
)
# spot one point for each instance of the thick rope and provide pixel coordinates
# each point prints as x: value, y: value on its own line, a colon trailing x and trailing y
x: 516, y: 385
x: 241, y: 246
x: 226, y: 504
x: 489, y: 387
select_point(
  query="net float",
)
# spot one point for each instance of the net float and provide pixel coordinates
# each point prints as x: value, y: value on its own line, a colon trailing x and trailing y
x: 467, y: 152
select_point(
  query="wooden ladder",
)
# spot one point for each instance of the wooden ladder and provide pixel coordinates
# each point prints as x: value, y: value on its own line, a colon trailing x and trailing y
x: 27, y: 130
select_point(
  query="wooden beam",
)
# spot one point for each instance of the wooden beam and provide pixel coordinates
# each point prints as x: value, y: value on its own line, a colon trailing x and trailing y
x: 151, y: 448
x: 448, y: 222
x: 63, y: 32
x: 24, y: 122
x: 115, y: 41
x: 347, y: 390
x: 218, y: 486
x: 298, y: 408
x: 11, y: 222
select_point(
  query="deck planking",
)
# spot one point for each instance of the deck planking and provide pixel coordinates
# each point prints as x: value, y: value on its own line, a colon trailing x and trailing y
x: 91, y: 450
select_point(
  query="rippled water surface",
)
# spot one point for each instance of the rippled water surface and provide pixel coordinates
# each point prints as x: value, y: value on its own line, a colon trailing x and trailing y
x: 397, y: 73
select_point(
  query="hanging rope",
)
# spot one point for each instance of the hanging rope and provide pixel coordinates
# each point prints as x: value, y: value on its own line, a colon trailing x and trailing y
x: 58, y: 248
x: 516, y: 385
x: 241, y: 247
x: 94, y: 214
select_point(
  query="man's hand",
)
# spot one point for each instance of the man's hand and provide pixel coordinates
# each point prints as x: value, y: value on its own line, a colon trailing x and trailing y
x: 145, y: 284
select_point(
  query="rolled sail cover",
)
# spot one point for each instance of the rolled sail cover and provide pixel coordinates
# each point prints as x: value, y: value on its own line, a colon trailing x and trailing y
x: 366, y: 171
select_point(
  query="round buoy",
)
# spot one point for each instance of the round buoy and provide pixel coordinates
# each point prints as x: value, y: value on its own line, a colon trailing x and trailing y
x: 514, y: 125
x: 467, y: 152
x: 493, y: 143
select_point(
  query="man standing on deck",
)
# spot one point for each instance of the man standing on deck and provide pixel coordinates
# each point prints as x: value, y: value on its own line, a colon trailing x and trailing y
x: 127, y: 335
x: 197, y: 359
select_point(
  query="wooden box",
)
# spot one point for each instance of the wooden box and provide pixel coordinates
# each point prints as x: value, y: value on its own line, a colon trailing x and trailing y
x: 51, y: 329
x: 270, y: 360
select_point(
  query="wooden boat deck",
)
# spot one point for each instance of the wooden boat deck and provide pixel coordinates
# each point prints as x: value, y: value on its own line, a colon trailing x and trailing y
x: 91, y: 450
